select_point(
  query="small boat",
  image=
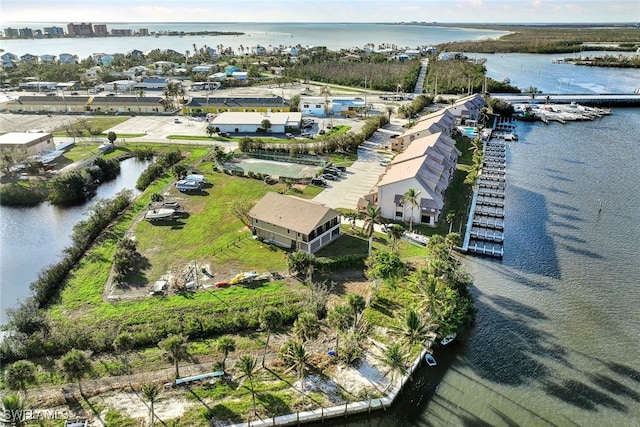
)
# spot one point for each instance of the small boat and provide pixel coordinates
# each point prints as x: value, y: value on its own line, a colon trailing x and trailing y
x: 184, y: 185
x: 221, y: 284
x: 431, y: 361
x: 448, y: 339
x: 159, y: 214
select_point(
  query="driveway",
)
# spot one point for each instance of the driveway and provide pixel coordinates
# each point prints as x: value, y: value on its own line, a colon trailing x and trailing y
x: 360, y: 178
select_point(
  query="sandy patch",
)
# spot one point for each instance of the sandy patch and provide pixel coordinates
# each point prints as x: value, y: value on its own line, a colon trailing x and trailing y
x: 134, y: 406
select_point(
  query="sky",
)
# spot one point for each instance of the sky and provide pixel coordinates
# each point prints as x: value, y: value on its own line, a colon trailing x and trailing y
x: 446, y: 11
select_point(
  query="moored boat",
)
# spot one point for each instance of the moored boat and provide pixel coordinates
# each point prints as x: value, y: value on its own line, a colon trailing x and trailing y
x: 448, y: 339
x: 431, y: 361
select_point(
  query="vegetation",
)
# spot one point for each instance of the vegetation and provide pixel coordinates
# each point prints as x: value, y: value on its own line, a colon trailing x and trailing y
x: 548, y: 39
x: 374, y: 72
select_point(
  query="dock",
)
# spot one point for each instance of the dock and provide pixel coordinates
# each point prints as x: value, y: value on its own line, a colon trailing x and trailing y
x: 485, y: 227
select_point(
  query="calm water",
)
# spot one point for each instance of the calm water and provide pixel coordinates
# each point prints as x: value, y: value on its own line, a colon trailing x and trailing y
x: 334, y: 36
x: 557, y: 336
x: 558, y: 329
x: 33, y: 238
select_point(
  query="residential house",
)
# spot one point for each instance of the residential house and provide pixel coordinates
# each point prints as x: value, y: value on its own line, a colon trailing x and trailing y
x: 27, y: 57
x: 66, y: 58
x: 47, y: 58
x: 230, y: 70
x: 9, y: 60
x: 240, y: 75
x: 293, y: 51
x: 258, y: 50
x: 294, y: 223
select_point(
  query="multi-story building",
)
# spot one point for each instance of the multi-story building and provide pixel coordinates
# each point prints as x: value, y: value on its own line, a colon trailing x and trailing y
x: 80, y: 30
x: 53, y: 32
x: 100, y: 30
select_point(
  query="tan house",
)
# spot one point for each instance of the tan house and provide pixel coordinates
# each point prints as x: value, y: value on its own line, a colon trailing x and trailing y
x: 441, y: 121
x: 121, y: 104
x: 294, y: 223
x: 468, y: 108
x: 427, y: 166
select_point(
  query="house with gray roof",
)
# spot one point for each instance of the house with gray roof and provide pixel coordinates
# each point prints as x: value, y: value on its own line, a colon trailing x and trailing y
x: 294, y: 223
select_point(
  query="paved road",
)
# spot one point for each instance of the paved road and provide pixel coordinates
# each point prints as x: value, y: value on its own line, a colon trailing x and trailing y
x: 362, y: 176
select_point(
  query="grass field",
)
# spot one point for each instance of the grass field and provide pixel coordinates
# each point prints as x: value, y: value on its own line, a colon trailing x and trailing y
x: 274, y: 168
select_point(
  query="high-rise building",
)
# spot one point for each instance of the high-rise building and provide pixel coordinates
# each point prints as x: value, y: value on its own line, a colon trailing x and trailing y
x: 80, y: 30
x: 100, y: 30
x: 53, y: 32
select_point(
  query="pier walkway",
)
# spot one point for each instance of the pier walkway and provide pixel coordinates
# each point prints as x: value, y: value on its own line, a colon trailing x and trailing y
x: 485, y: 227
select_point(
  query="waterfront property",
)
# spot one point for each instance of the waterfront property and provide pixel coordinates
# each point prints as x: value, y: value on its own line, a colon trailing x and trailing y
x: 294, y: 223
x: 441, y: 121
x: 427, y: 166
x: 341, y: 106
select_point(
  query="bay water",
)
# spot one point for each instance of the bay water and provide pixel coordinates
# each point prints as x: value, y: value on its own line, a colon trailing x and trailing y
x: 557, y: 334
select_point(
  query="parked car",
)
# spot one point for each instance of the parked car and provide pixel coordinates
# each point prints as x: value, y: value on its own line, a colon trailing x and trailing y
x: 329, y: 176
x: 384, y: 162
x: 342, y: 168
x: 333, y: 170
x: 289, y: 135
x: 176, y: 120
x: 319, y: 181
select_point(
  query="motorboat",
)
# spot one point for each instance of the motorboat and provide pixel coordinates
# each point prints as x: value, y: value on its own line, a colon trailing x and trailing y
x: 159, y: 214
x: 416, y: 238
x: 431, y: 361
x: 185, y: 185
x: 448, y: 339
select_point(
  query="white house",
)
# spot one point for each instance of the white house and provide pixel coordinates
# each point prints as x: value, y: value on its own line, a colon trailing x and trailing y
x: 237, y: 122
x: 240, y: 75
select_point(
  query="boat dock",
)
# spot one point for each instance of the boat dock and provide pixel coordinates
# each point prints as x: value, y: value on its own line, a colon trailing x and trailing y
x: 485, y: 227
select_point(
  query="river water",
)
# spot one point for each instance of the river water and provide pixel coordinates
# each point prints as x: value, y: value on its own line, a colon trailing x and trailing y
x: 33, y: 238
x: 557, y: 331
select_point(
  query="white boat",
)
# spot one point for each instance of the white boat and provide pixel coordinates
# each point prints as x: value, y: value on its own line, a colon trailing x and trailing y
x: 416, y: 238
x: 431, y: 361
x: 185, y: 185
x: 159, y: 214
x: 448, y: 339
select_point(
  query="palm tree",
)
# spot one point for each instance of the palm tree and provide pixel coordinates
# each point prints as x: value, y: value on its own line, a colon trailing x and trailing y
x: 340, y: 318
x: 307, y: 326
x: 414, y: 329
x: 270, y: 319
x: 123, y: 344
x: 13, y: 407
x: 140, y: 95
x: 226, y: 345
x: 451, y: 215
x: 372, y: 216
x: 75, y: 364
x: 427, y: 289
x: 394, y: 358
x: 351, y: 217
x: 295, y: 354
x: 357, y: 304
x: 19, y: 375
x: 248, y: 366
x: 175, y: 348
x: 395, y: 232
x: 389, y: 111
x: 451, y: 240
x: 410, y: 197
x: 150, y: 391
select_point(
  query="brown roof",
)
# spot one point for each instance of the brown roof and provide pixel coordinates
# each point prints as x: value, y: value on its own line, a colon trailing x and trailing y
x: 299, y: 215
